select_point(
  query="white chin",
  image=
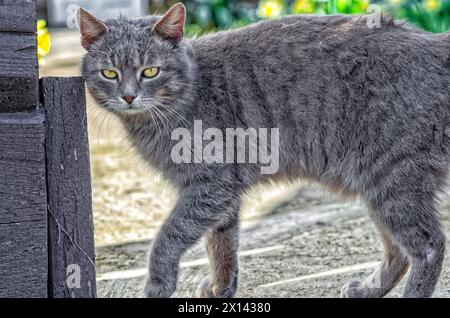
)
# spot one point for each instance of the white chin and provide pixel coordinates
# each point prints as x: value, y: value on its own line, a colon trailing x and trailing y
x: 129, y: 111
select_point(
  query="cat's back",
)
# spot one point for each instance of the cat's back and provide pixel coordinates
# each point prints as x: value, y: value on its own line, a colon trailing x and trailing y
x: 316, y: 34
x: 296, y: 26
x: 270, y: 34
x: 342, y: 51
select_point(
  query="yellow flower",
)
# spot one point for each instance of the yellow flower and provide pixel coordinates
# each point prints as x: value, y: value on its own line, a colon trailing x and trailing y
x: 432, y: 5
x: 303, y: 6
x: 363, y: 5
x: 43, y: 39
x: 270, y: 8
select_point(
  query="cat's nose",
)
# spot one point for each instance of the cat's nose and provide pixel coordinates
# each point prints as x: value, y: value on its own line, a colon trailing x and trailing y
x: 129, y: 99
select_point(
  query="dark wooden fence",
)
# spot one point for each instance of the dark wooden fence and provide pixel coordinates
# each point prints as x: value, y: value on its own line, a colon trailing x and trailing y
x: 46, y: 228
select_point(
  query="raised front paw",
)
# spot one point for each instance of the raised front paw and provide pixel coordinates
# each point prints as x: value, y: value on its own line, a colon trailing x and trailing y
x: 155, y: 289
x: 207, y: 290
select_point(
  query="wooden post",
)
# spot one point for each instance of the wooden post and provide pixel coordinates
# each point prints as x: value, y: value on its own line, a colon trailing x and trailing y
x: 71, y: 237
x: 23, y: 202
x: 18, y: 55
x: 18, y: 16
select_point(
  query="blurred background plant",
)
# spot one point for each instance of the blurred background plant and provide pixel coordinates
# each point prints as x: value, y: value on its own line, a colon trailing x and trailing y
x: 431, y: 15
x: 43, y: 38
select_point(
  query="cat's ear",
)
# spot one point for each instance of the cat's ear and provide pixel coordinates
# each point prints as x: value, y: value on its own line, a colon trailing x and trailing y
x: 91, y: 28
x: 171, y: 25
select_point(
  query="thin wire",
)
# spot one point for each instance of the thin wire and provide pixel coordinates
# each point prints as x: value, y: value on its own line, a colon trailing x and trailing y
x: 61, y: 228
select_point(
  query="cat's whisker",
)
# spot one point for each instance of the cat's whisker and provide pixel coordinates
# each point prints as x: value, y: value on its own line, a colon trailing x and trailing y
x: 99, y: 52
x: 157, y: 115
x: 154, y: 105
x: 170, y: 110
x: 100, y: 129
x: 177, y: 115
x: 161, y: 116
x: 149, y: 103
x: 151, y: 114
x: 96, y: 121
x: 108, y: 124
x: 107, y: 105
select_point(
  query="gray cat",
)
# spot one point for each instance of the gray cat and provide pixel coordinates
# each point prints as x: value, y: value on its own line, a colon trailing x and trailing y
x: 364, y: 110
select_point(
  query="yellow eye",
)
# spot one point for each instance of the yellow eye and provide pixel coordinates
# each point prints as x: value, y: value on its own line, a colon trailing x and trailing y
x: 150, y: 72
x: 109, y: 74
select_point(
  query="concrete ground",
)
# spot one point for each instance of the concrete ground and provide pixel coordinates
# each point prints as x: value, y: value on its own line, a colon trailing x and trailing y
x: 307, y: 247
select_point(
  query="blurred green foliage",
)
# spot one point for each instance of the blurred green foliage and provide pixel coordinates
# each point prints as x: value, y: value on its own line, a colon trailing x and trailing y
x: 211, y: 15
x: 431, y: 15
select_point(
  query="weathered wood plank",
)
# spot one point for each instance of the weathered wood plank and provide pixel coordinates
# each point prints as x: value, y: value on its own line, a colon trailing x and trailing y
x: 18, y: 15
x: 69, y: 188
x: 23, y: 213
x: 18, y: 72
x: 23, y: 259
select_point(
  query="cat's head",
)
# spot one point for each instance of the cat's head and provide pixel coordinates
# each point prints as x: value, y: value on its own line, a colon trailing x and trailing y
x: 135, y: 67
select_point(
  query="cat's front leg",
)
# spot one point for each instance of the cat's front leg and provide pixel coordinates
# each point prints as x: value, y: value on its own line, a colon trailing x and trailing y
x: 198, y: 209
x: 222, y: 246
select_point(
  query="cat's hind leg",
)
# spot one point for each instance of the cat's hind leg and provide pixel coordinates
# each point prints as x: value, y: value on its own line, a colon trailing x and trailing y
x: 385, y: 277
x: 421, y: 238
x: 222, y: 247
x: 404, y: 202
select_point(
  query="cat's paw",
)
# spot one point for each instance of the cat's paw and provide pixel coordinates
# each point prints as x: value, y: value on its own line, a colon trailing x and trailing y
x: 353, y: 289
x: 359, y: 289
x: 206, y: 290
x: 158, y: 290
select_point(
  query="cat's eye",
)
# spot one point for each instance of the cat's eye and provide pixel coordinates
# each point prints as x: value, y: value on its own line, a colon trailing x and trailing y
x: 109, y: 74
x: 150, y: 72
